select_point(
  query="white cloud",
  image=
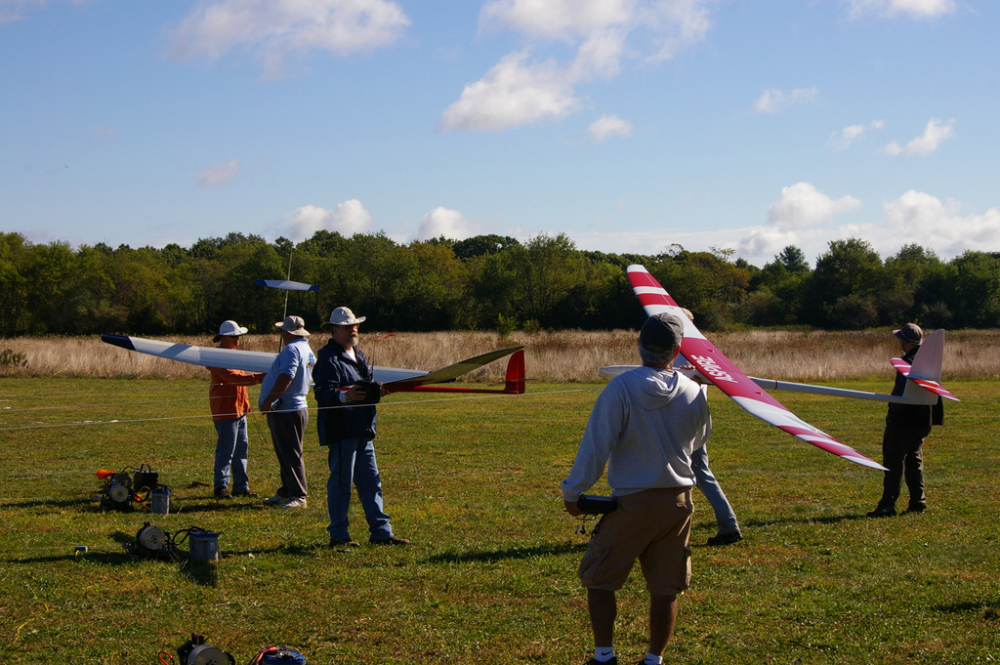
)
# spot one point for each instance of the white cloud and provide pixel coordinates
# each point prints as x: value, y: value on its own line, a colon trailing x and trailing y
x: 800, y: 208
x: 609, y: 125
x: 804, y: 205
x: 913, y: 8
x: 773, y: 101
x: 852, y: 133
x: 275, y: 30
x: 219, y: 175
x: 556, y: 19
x: 517, y: 92
x: 934, y: 135
x: 680, y: 24
x: 917, y: 217
x: 599, y: 56
x: 512, y: 94
x: 448, y: 223
x: 348, y: 218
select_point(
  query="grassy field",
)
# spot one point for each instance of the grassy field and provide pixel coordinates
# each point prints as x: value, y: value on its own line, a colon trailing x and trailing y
x: 490, y: 576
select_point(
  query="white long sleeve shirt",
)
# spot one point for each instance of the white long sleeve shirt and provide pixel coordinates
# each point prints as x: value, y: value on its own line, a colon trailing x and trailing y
x: 644, y: 427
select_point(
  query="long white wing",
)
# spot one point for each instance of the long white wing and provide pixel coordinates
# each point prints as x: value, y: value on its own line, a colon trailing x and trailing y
x: 248, y: 361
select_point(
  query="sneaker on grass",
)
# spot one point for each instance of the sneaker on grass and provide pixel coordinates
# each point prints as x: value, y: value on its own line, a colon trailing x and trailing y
x: 294, y: 502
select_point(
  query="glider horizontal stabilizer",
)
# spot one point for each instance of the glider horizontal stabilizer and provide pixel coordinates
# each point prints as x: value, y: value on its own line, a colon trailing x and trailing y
x: 514, y: 383
x: 727, y: 377
x: 286, y: 285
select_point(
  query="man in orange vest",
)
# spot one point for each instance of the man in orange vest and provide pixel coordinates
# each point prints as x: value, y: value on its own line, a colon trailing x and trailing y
x: 230, y: 403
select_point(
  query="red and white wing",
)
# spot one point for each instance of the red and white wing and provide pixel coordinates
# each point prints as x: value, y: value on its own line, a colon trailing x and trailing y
x: 728, y: 378
x: 926, y: 384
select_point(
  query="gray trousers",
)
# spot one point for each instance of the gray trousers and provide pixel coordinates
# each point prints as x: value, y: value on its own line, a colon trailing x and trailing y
x: 903, y: 456
x: 287, y: 429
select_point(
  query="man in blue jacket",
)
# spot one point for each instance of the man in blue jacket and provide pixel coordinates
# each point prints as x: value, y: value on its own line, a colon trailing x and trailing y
x: 346, y: 425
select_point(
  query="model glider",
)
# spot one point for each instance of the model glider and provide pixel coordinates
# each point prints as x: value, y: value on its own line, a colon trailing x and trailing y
x: 924, y: 386
x: 394, y: 379
x: 714, y: 366
x: 286, y: 285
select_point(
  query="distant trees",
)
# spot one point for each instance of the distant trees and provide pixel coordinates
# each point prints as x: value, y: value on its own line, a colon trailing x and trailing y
x: 484, y: 282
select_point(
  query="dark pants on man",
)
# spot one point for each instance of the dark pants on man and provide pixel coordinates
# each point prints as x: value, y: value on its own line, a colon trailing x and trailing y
x: 902, y: 455
x: 287, y: 428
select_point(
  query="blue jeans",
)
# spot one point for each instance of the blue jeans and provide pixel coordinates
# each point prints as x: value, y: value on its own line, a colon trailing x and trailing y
x: 353, y: 460
x: 231, y: 454
x: 724, y: 515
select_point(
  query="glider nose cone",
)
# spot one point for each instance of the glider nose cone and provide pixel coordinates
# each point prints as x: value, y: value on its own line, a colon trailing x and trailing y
x: 118, y: 340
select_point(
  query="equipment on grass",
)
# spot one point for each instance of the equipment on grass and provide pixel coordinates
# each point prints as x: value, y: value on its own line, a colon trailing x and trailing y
x: 204, y: 545
x: 152, y: 542
x: 145, y: 478
x: 278, y: 655
x: 160, y: 500
x: 122, y: 491
x: 196, y: 652
x: 117, y: 494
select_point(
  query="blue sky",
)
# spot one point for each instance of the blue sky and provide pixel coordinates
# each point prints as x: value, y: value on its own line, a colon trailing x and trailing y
x: 629, y: 125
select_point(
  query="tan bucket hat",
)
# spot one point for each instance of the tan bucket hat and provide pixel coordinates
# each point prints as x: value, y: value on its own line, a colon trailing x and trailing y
x: 341, y: 316
x: 293, y: 325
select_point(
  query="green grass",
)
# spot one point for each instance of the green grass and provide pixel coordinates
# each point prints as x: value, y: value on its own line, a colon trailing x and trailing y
x: 491, y: 574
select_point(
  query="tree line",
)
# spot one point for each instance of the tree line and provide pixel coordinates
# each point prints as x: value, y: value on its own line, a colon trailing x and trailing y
x: 487, y: 282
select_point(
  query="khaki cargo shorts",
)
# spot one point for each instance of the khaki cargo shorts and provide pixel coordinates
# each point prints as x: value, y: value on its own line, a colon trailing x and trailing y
x: 653, y: 526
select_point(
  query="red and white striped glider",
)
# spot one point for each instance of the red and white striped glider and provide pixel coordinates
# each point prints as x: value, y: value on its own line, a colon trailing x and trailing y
x: 727, y: 377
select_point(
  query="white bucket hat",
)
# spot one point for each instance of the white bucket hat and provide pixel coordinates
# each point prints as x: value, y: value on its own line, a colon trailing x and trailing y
x: 293, y: 325
x: 342, y: 316
x: 229, y: 329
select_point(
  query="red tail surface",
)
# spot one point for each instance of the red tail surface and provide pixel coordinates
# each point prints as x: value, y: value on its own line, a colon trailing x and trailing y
x: 513, y: 385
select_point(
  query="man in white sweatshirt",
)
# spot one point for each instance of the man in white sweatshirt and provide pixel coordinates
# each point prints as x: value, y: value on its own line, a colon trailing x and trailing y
x: 644, y: 427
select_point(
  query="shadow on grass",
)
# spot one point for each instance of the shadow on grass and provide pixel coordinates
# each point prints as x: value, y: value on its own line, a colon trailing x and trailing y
x: 509, y: 553
x: 211, y: 507
x: 46, y: 503
x: 984, y: 609
x: 202, y: 573
x: 107, y: 558
x: 830, y: 519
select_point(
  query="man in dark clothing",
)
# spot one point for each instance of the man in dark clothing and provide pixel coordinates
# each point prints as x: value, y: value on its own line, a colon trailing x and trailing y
x: 906, y: 426
x: 348, y: 431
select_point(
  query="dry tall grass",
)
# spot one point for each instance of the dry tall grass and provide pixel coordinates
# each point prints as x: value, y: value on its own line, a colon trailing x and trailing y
x: 570, y: 355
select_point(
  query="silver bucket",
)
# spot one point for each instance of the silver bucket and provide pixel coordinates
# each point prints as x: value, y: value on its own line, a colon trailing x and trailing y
x: 204, y: 546
x: 160, y: 498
